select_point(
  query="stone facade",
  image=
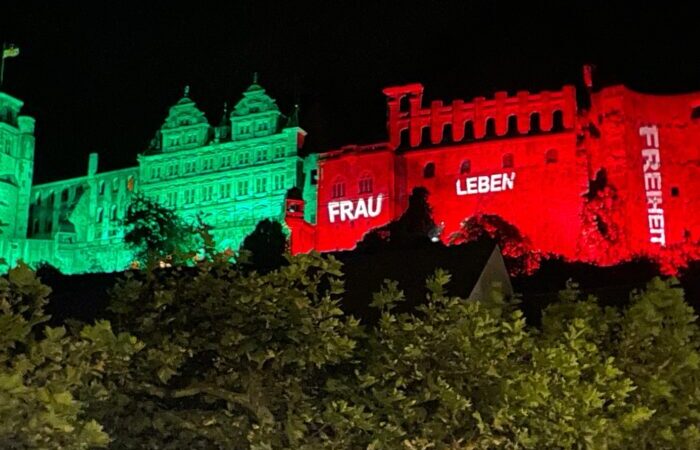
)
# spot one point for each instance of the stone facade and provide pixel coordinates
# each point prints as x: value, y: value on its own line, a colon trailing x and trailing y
x: 232, y: 175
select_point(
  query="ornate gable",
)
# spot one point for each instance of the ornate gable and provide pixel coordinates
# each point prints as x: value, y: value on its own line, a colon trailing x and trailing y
x: 185, y: 127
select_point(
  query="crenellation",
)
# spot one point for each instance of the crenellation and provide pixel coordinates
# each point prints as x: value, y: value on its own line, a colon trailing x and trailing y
x: 479, y: 111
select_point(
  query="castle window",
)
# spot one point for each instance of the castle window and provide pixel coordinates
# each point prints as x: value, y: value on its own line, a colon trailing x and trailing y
x: 113, y: 213
x: 695, y: 113
x: 535, y: 123
x: 47, y: 226
x: 490, y: 127
x: 365, y: 184
x: 261, y: 154
x: 242, y: 188
x: 314, y: 177
x: 508, y: 161
x: 207, y: 193
x: 38, y: 199
x: 429, y: 170
x: 279, y: 152
x: 130, y: 184
x: 466, y: 166
x: 469, y: 130
x: 512, y: 125
x: 115, y: 184
x: 260, y: 185
x: 338, y: 189
x: 102, y: 188
x: 551, y: 156
x: 675, y: 192
x: 243, y: 158
x: 172, y: 199
x: 226, y: 161
x: 64, y: 196
x: 100, y: 215
x: 35, y: 226
x: 278, y: 182
x: 51, y: 198
x: 189, y: 196
x: 558, y: 121
x: 225, y: 190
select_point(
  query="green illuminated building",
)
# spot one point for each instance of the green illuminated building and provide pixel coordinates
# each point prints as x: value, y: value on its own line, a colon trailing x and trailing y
x: 232, y: 175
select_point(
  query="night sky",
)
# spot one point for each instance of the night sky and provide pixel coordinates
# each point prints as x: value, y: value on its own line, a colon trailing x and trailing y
x: 101, y: 76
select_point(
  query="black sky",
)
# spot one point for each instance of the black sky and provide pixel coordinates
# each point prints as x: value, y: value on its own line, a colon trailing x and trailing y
x: 101, y: 76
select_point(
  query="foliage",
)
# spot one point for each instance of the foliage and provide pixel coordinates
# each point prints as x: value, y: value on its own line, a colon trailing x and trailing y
x: 247, y: 361
x: 49, y: 375
x: 519, y: 255
x: 414, y: 227
x: 234, y: 360
x: 267, y: 245
x: 157, y: 233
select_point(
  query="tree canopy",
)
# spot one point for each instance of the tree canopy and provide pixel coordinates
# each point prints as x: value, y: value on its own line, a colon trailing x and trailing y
x: 235, y: 359
x: 156, y: 232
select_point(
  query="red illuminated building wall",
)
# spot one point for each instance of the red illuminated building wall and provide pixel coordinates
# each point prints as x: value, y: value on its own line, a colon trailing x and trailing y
x: 618, y: 178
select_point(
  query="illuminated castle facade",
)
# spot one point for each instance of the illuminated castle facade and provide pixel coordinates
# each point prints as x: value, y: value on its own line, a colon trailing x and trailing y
x: 233, y: 175
x: 605, y: 182
x: 597, y: 176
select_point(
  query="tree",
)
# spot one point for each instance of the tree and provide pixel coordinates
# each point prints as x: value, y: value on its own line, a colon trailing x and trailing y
x: 49, y: 375
x: 267, y: 245
x: 518, y: 253
x: 415, y: 226
x: 233, y: 360
x: 240, y: 360
x: 157, y: 233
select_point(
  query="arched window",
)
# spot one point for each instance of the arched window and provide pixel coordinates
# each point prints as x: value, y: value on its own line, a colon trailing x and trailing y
x: 490, y: 127
x: 466, y: 166
x: 366, y: 184
x: 100, y: 214
x: 695, y: 113
x: 339, y: 189
x: 51, y: 198
x: 102, y: 188
x: 130, y: 184
x: 38, y: 199
x: 512, y: 125
x: 535, y: 123
x: 508, y: 161
x: 64, y: 196
x: 429, y: 170
x: 551, y: 156
x: 469, y: 130
x: 558, y: 121
x: 113, y: 213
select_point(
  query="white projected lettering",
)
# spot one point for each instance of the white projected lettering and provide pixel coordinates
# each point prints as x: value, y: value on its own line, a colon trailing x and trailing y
x: 486, y: 183
x: 651, y: 168
x: 350, y: 210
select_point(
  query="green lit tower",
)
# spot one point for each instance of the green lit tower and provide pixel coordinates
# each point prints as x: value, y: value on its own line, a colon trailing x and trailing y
x: 16, y: 169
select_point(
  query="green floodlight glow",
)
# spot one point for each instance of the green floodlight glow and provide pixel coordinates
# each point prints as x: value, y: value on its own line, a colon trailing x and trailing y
x: 232, y: 175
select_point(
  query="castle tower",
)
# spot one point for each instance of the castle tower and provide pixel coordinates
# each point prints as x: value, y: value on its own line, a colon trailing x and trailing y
x: 16, y: 167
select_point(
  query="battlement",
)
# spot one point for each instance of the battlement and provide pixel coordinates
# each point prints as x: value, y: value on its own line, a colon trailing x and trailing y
x: 520, y: 114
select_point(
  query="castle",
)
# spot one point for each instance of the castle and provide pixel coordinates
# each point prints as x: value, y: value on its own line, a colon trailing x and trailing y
x: 233, y: 175
x: 598, y: 176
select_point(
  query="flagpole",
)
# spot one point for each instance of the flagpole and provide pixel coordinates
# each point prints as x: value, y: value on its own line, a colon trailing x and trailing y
x: 2, y: 65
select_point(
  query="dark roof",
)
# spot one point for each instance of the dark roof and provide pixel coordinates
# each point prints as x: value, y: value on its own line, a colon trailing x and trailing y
x: 410, y: 266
